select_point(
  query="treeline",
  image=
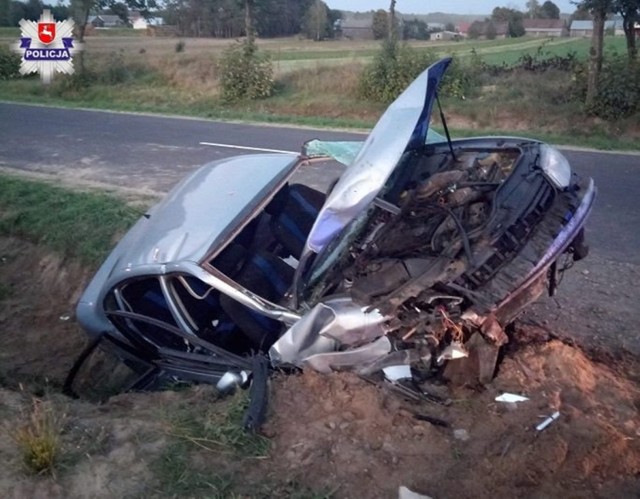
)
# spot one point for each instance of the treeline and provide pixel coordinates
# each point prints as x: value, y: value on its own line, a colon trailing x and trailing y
x: 271, y: 18
x: 12, y: 11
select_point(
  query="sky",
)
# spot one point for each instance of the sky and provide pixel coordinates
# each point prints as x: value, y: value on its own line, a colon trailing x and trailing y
x: 448, y: 6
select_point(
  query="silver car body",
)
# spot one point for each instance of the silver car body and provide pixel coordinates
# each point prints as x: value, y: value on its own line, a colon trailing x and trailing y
x: 203, y: 214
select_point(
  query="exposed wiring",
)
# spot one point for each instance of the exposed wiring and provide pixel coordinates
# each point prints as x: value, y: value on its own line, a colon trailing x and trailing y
x: 461, y: 230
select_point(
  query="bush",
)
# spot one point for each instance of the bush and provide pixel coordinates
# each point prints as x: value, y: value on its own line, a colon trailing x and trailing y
x: 618, y: 88
x: 9, y: 65
x: 396, y: 66
x: 245, y: 73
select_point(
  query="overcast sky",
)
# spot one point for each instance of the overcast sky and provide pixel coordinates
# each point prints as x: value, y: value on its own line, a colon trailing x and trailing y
x: 448, y: 6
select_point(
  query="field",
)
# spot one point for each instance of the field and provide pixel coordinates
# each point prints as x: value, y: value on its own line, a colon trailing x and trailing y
x: 317, y: 83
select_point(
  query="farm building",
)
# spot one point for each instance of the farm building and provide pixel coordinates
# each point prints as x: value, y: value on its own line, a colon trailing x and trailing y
x: 480, y: 27
x: 446, y: 35
x: 105, y: 21
x: 545, y: 27
x: 585, y: 28
x: 139, y: 22
x: 357, y: 29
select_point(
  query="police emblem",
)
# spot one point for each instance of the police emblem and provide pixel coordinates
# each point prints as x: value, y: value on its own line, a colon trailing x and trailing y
x: 46, y: 46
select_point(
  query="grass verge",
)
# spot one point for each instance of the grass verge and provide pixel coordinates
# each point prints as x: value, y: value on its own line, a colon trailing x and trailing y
x: 80, y: 225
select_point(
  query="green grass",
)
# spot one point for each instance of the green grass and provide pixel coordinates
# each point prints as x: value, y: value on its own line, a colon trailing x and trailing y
x: 177, y: 476
x: 79, y: 225
x: 558, y: 46
x: 219, y: 429
x: 210, y: 455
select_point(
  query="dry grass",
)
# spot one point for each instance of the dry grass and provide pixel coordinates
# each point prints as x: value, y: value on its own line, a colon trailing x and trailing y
x: 38, y: 438
x: 323, y: 80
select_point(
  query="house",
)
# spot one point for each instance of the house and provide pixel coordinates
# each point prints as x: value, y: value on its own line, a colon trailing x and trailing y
x: 480, y: 29
x: 140, y: 22
x: 105, y: 21
x: 463, y: 27
x: 357, y: 29
x: 585, y: 28
x: 545, y: 27
x: 447, y: 35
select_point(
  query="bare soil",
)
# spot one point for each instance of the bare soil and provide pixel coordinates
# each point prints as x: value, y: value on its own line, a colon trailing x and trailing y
x: 334, y: 434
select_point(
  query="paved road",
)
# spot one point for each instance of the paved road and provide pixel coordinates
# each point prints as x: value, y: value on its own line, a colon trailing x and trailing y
x: 155, y: 152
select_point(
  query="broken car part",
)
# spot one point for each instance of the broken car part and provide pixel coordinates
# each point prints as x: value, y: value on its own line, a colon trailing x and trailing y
x: 548, y: 421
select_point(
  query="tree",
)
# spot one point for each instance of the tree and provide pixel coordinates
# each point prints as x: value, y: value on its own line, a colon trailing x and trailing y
x: 476, y: 30
x: 5, y: 12
x: 501, y: 14
x: 415, y: 29
x: 490, y: 31
x: 515, y: 27
x: 33, y: 10
x: 60, y: 12
x: 630, y: 12
x: 380, y: 24
x: 121, y: 10
x: 317, y: 21
x: 248, y: 22
x: 16, y: 12
x: 599, y: 10
x: 533, y: 8
x: 549, y: 10
x: 449, y: 26
x: 581, y: 14
x: 392, y: 33
x: 514, y: 19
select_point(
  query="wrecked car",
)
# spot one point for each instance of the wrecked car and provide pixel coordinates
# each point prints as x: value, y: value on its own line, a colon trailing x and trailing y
x: 424, y: 249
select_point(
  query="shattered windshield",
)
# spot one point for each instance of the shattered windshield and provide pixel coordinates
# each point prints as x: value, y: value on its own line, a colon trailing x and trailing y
x: 346, y: 151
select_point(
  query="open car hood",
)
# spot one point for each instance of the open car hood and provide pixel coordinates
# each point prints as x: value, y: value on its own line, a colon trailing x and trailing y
x: 403, y: 126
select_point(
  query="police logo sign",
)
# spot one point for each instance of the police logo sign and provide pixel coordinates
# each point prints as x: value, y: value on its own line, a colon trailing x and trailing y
x: 46, y: 46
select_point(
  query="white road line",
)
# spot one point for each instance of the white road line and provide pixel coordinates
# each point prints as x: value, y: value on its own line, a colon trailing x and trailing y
x: 247, y: 148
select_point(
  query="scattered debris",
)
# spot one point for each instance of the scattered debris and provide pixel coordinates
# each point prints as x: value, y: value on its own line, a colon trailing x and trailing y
x: 461, y: 434
x: 510, y: 398
x: 548, y: 421
x: 395, y: 373
x: 405, y: 493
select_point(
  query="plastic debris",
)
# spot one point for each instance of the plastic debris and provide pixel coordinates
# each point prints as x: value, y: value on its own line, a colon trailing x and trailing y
x: 548, y: 421
x: 395, y: 373
x: 461, y: 434
x: 65, y: 317
x: 510, y: 398
x: 405, y: 493
x: 455, y: 350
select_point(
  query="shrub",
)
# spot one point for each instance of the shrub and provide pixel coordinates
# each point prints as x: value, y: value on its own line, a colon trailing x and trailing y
x: 9, y: 65
x: 396, y: 66
x: 618, y: 88
x: 245, y: 73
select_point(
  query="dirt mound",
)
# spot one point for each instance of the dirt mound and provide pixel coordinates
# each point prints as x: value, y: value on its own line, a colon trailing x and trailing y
x: 38, y: 333
x: 339, y: 432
